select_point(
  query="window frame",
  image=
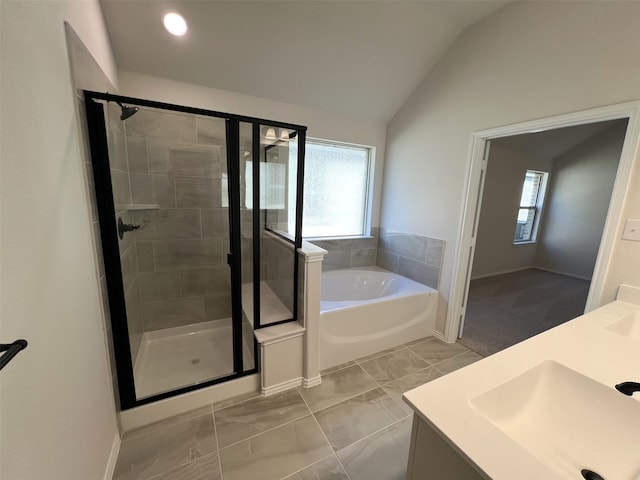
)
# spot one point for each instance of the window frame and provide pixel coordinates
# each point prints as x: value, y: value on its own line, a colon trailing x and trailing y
x: 369, y: 187
x: 537, y: 207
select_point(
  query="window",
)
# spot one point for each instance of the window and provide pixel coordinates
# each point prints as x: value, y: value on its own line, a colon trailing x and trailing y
x: 336, y: 189
x: 531, y: 200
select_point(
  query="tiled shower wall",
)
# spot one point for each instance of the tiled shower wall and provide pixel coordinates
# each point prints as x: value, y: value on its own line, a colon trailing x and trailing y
x: 413, y: 256
x: 127, y: 244
x: 277, y: 267
x: 177, y: 164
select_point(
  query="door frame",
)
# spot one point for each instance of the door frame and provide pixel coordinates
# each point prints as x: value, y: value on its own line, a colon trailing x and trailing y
x: 474, y: 185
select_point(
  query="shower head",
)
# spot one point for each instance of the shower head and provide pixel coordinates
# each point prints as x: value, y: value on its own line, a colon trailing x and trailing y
x: 127, y: 111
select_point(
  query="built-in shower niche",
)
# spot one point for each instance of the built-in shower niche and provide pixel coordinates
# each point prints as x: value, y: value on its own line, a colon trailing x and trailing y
x: 196, y: 268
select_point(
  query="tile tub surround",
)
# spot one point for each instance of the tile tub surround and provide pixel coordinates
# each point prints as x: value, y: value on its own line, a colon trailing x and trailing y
x: 349, y: 252
x: 350, y: 427
x: 413, y: 256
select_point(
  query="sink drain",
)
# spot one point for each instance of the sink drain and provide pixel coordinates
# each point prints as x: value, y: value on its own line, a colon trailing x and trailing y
x: 590, y: 475
x: 196, y: 361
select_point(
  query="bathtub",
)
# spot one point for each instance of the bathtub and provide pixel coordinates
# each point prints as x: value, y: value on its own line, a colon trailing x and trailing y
x: 366, y: 310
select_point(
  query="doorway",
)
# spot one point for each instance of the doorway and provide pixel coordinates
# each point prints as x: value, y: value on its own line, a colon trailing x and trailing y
x: 471, y: 216
x: 543, y: 210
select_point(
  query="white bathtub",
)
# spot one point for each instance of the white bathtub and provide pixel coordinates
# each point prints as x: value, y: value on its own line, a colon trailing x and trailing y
x: 366, y: 310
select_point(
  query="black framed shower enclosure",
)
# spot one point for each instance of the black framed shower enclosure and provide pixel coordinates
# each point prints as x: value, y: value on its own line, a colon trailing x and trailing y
x: 200, y: 216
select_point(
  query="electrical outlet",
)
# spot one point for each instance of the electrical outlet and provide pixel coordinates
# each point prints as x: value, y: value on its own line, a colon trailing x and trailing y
x: 632, y: 230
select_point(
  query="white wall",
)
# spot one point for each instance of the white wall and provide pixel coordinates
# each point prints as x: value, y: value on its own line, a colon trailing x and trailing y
x: 321, y: 124
x: 495, y: 251
x: 577, y: 204
x: 529, y: 60
x: 57, y: 414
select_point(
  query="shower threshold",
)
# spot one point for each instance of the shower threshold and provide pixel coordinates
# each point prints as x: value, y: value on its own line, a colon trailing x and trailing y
x: 178, y: 357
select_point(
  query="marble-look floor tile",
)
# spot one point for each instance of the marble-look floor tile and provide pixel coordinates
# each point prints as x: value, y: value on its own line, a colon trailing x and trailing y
x: 383, y: 455
x: 327, y: 469
x: 276, y: 453
x: 381, y: 353
x: 396, y: 388
x: 357, y: 417
x: 394, y: 365
x: 234, y: 400
x: 435, y: 351
x: 206, y: 468
x: 246, y: 419
x: 327, y: 371
x: 153, y: 427
x: 460, y: 361
x: 145, y: 456
x: 337, y: 386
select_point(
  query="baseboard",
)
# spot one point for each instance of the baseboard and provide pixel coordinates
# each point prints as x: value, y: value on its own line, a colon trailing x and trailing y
x: 113, y: 458
x: 503, y: 272
x: 534, y: 267
x: 579, y: 277
x: 439, y: 336
x: 281, y: 387
x: 311, y: 382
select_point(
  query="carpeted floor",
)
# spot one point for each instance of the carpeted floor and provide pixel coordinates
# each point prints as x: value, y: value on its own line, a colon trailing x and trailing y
x: 506, y: 309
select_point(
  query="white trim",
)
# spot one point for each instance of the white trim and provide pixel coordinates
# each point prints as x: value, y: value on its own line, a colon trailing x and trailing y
x: 628, y: 293
x: 311, y: 382
x: 502, y: 272
x: 113, y: 458
x: 465, y: 249
x: 439, y: 336
x: 281, y: 387
x: 566, y: 274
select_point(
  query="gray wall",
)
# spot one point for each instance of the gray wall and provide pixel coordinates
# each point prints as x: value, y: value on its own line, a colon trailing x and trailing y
x: 577, y: 200
x: 528, y: 60
x: 495, y: 251
x: 577, y: 204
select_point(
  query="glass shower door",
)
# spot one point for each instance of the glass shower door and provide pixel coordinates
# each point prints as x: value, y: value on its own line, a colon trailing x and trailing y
x: 200, y: 222
x: 169, y: 183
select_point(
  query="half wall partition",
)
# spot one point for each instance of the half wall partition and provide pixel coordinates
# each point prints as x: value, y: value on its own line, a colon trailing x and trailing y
x: 200, y: 220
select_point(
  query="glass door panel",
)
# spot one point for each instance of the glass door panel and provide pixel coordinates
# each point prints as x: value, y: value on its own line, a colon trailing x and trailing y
x: 169, y: 182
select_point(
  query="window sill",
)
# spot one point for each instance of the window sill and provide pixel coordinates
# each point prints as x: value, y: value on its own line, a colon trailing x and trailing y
x: 528, y: 242
x: 350, y: 237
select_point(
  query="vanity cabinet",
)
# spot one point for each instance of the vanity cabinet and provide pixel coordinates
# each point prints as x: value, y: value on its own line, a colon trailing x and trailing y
x: 432, y: 458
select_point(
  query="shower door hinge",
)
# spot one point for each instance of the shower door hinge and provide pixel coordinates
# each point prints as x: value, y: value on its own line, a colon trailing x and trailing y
x: 229, y: 257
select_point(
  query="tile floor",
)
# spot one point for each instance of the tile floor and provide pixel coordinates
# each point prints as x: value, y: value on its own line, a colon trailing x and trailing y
x: 354, y: 426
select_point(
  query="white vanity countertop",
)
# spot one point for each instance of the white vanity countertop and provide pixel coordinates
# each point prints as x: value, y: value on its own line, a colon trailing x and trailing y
x: 583, y: 344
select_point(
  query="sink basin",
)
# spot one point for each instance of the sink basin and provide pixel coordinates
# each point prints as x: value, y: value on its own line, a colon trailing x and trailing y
x: 629, y: 326
x: 569, y: 422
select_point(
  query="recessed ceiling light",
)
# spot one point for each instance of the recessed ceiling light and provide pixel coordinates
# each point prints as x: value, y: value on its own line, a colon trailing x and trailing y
x: 175, y: 24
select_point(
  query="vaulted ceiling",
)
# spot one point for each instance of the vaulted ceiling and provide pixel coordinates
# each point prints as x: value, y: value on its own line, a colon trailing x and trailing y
x: 362, y: 58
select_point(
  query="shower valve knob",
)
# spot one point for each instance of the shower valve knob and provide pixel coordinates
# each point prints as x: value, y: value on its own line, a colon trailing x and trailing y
x: 125, y: 227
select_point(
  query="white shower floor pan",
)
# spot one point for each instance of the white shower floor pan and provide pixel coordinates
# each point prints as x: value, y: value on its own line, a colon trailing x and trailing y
x: 179, y: 357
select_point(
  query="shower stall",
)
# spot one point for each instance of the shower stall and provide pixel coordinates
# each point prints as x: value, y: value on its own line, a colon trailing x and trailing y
x: 200, y: 221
